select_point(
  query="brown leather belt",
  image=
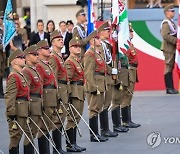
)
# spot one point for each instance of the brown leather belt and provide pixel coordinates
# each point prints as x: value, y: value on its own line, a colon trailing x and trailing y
x: 133, y: 65
x: 35, y: 95
x: 62, y: 82
x: 81, y: 83
x: 50, y: 86
x: 99, y: 73
x: 22, y: 98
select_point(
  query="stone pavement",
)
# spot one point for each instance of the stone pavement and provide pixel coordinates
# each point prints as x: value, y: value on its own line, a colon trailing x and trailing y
x: 154, y: 110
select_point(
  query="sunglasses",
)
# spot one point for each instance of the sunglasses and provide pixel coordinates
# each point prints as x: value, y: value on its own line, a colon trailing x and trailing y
x: 34, y: 54
x: 45, y: 48
x: 76, y: 46
x: 21, y: 57
x: 171, y: 10
x: 97, y: 37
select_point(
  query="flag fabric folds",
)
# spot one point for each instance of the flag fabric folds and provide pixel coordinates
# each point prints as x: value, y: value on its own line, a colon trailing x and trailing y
x: 9, y: 25
x: 120, y: 18
x: 91, y: 17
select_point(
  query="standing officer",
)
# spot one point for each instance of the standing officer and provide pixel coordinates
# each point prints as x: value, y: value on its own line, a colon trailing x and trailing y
x: 126, y: 104
x: 104, y: 31
x: 17, y: 102
x: 95, y: 72
x: 57, y: 64
x: 49, y: 96
x: 76, y: 77
x: 169, y: 35
x: 79, y: 30
x: 2, y: 56
x: 35, y: 84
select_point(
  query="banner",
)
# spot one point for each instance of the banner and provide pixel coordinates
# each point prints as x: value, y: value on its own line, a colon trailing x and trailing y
x: 9, y: 26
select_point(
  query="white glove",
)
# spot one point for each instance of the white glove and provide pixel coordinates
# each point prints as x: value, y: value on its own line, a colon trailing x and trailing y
x: 114, y: 71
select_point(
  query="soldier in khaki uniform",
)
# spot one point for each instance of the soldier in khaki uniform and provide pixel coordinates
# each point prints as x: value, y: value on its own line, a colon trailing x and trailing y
x: 79, y: 29
x: 56, y: 62
x: 119, y: 91
x: 95, y: 72
x: 104, y: 32
x: 17, y: 102
x: 49, y: 95
x: 75, y: 73
x: 126, y: 104
x: 169, y: 35
x: 36, y: 89
x: 2, y: 56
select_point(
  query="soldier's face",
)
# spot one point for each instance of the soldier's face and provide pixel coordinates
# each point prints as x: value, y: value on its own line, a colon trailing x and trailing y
x: 34, y: 58
x: 20, y: 61
x: 106, y: 33
x: 170, y: 13
x: 58, y: 42
x: 97, y: 41
x: 83, y: 18
x: 75, y: 49
x: 45, y: 52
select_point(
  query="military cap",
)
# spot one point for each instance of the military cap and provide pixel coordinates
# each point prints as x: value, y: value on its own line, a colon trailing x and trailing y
x: 15, y: 16
x: 80, y: 12
x: 92, y: 35
x: 130, y: 27
x: 30, y: 50
x: 104, y: 26
x: 55, y: 34
x: 15, y: 54
x: 1, y: 14
x: 170, y: 7
x: 42, y: 45
x: 75, y: 41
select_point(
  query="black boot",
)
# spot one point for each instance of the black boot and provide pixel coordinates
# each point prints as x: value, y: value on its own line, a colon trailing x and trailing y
x: 117, y: 127
x: 43, y: 144
x: 1, y: 88
x: 93, y: 123
x: 104, y: 121
x: 169, y: 84
x: 14, y: 150
x: 172, y: 83
x: 70, y: 146
x: 125, y: 118
x: 57, y: 140
x: 28, y: 149
x: 75, y: 144
x: 130, y: 119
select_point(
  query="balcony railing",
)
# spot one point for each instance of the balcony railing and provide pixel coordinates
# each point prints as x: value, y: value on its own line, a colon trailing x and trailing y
x: 142, y: 3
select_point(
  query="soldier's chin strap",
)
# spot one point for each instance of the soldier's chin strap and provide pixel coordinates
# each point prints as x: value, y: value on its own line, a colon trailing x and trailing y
x: 85, y: 122
x: 27, y: 137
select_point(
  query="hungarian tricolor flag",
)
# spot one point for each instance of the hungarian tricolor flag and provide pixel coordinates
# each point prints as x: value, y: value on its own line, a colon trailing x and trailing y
x: 120, y: 18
